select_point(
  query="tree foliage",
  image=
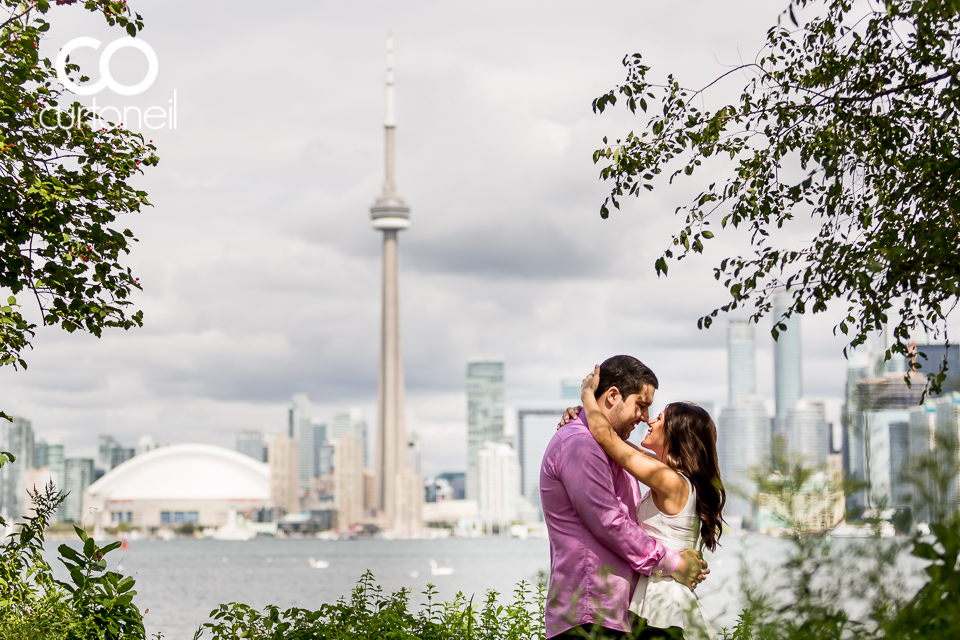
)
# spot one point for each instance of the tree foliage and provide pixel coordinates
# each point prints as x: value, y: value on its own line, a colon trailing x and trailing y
x: 849, y: 118
x: 64, y: 180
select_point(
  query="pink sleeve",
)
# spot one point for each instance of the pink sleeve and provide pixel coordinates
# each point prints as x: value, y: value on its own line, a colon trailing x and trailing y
x: 589, y: 485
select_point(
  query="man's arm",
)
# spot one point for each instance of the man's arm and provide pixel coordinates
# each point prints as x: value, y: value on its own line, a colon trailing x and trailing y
x: 585, y: 473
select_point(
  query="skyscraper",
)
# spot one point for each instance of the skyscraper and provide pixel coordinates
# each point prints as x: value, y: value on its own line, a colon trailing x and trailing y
x: 805, y: 433
x: 391, y: 215
x: 301, y: 429
x: 743, y: 444
x: 353, y: 422
x: 16, y: 437
x: 742, y: 366
x: 282, y: 454
x: 788, y: 377
x: 499, y: 485
x: 348, y: 468
x: 251, y: 443
x: 78, y: 474
x: 485, y: 408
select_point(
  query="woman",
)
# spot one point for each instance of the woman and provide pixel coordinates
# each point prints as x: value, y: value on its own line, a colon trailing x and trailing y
x: 684, y: 503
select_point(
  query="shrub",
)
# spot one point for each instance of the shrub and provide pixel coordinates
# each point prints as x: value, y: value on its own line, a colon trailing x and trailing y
x: 371, y: 614
x: 95, y: 604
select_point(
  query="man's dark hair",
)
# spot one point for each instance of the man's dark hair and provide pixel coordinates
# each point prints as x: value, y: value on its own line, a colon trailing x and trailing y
x: 627, y: 374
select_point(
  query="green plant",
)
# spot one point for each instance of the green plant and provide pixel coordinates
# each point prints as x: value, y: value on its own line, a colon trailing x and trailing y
x: 95, y: 605
x: 371, y: 614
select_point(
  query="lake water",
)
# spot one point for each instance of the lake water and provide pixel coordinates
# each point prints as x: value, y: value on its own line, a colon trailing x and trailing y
x: 181, y: 581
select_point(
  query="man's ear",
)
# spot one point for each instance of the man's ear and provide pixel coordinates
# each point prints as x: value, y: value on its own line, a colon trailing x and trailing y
x: 611, y: 396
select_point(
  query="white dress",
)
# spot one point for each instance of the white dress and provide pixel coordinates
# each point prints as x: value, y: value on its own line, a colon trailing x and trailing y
x: 660, y: 600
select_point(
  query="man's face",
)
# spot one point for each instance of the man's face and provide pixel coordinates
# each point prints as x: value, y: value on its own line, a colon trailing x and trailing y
x: 627, y: 412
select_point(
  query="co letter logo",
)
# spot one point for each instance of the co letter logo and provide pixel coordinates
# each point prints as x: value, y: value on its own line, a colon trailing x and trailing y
x: 107, y: 80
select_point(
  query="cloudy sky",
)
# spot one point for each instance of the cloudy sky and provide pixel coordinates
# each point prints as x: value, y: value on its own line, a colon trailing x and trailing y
x: 261, y: 271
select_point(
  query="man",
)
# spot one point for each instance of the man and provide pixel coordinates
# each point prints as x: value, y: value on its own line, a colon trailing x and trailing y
x: 589, y: 503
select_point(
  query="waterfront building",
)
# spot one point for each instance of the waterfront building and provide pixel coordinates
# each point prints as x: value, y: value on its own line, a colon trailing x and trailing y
x: 741, y: 366
x: 805, y: 433
x: 78, y: 475
x: 178, y: 484
x: 743, y: 443
x: 283, y: 459
x: 499, y: 486
x: 788, y: 375
x: 250, y: 443
x: 146, y: 443
x: 948, y: 427
x: 50, y: 455
x: 485, y: 416
x: 300, y: 428
x: 348, y: 470
x: 353, y: 422
x: 888, y: 435
x: 854, y: 460
x: 368, y: 491
x: 398, y: 490
x: 935, y: 354
x: 16, y: 437
x: 536, y: 424
x: 817, y: 507
x: 883, y: 421
x: 111, y: 453
x: 923, y: 445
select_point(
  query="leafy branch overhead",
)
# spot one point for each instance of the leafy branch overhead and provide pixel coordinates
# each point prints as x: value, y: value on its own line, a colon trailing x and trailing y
x: 64, y: 180
x: 850, y: 119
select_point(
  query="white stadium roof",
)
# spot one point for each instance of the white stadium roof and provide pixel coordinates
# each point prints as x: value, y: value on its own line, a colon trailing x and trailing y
x: 186, y: 472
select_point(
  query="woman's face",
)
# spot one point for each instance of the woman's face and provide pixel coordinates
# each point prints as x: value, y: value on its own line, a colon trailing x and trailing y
x: 654, y: 439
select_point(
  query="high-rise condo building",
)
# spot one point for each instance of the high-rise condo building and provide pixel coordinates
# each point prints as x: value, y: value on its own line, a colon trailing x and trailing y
x: 300, y: 428
x: 806, y: 433
x: 353, y: 422
x: 788, y: 379
x: 16, y: 437
x: 50, y: 455
x: 146, y: 443
x: 251, y: 443
x: 948, y: 427
x: 283, y: 457
x: 923, y: 445
x: 883, y: 421
x: 78, y: 473
x: 536, y: 424
x: 742, y: 368
x: 349, y: 492
x: 743, y: 444
x: 485, y: 409
x: 499, y: 485
x: 398, y: 490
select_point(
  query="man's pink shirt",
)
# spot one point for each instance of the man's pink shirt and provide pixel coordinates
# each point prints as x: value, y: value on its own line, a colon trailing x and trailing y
x: 597, y: 548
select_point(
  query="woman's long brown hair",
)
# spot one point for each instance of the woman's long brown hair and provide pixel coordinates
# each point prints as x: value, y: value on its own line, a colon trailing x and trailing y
x: 690, y: 447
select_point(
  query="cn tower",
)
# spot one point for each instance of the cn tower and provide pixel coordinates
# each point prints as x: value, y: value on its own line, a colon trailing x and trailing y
x: 391, y: 215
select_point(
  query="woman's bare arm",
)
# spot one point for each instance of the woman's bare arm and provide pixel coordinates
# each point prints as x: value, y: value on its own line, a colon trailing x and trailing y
x: 642, y: 466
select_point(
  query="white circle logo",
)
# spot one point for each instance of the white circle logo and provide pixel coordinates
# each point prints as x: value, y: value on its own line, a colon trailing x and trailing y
x: 106, y: 80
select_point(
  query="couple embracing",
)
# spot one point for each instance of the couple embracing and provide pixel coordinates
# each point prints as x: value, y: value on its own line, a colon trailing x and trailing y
x: 622, y: 566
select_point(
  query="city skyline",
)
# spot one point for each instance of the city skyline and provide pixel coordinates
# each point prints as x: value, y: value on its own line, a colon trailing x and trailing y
x: 254, y: 293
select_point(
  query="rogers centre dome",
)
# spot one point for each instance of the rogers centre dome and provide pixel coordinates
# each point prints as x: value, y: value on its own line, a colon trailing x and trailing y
x: 177, y: 484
